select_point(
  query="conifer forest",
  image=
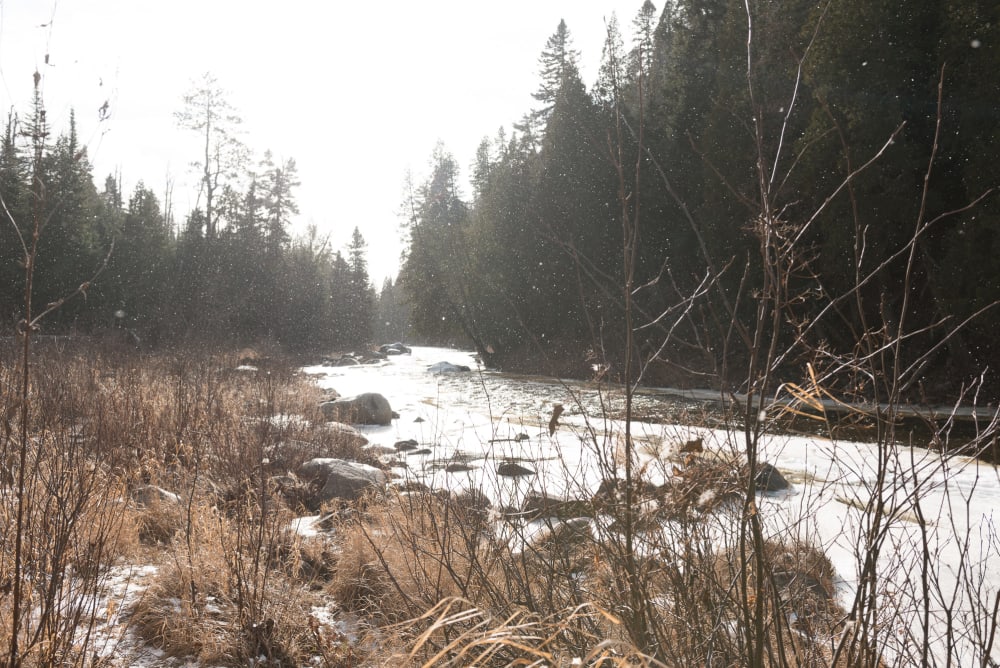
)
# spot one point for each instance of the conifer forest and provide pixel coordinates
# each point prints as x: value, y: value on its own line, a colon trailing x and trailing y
x: 836, y: 160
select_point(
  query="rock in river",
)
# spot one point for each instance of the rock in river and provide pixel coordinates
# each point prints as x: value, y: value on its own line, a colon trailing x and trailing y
x: 368, y: 408
x: 513, y: 470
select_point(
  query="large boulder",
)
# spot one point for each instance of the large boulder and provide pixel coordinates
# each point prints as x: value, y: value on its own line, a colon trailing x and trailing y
x: 394, y: 349
x: 341, y: 479
x: 367, y: 408
x: 447, y: 367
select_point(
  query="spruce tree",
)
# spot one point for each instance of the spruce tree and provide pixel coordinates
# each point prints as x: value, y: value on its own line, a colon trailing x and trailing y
x: 435, y: 271
x: 280, y: 182
x: 557, y: 60
x: 360, y: 295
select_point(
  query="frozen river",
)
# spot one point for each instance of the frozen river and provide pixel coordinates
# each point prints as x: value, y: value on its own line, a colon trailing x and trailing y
x: 467, y: 424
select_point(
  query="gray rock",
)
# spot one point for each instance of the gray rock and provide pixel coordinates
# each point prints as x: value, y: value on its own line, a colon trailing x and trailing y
x: 341, y: 479
x: 769, y: 479
x: 447, y: 367
x: 368, y: 408
x: 329, y: 394
x: 513, y: 470
x: 408, y: 444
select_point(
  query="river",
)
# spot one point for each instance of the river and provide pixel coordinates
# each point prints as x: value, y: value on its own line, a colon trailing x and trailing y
x: 467, y: 424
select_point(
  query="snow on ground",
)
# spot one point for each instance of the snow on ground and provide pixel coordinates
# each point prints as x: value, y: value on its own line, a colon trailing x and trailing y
x: 482, y: 418
x: 112, y: 638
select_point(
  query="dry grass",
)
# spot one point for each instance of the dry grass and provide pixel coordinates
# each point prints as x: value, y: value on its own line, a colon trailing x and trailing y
x: 456, y: 633
x: 104, y: 431
x: 432, y: 579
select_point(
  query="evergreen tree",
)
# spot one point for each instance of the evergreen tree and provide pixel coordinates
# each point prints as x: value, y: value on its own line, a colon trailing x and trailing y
x: 970, y: 151
x: 557, y: 60
x: 192, y: 315
x: 134, y: 286
x: 502, y: 240
x: 644, y: 27
x: 342, y: 328
x: 305, y: 310
x: 68, y: 244
x: 14, y: 217
x: 611, y: 75
x: 392, y: 319
x: 482, y: 168
x: 575, y: 209
x: 360, y: 310
x: 280, y: 182
x: 435, y: 270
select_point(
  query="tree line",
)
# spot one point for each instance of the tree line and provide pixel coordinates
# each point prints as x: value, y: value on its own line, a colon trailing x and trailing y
x: 229, y: 273
x: 828, y: 117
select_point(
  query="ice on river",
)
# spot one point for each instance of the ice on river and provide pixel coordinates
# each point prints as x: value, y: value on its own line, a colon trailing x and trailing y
x: 482, y: 418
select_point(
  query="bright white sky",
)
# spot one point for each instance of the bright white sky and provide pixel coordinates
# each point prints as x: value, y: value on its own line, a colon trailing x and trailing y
x: 356, y: 92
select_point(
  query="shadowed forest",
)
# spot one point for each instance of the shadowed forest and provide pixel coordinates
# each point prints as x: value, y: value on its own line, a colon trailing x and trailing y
x: 832, y: 139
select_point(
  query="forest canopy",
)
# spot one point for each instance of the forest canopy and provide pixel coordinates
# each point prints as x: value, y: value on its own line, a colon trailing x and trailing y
x: 228, y: 273
x: 830, y: 118
x: 825, y: 120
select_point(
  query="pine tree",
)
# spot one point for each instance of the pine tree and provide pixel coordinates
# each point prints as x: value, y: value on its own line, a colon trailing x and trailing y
x: 69, y: 240
x: 208, y: 112
x: 482, y: 167
x: 644, y: 27
x: 280, y: 182
x: 360, y: 294
x: 435, y: 270
x: 135, y: 282
x: 304, y: 314
x: 502, y: 239
x: 341, y: 305
x: 13, y: 217
x: 611, y: 75
x: 558, y: 60
x: 392, y: 319
x: 574, y: 214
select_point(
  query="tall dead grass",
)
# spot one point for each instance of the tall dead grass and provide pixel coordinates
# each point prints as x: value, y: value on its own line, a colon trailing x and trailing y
x: 170, y: 461
x: 160, y: 460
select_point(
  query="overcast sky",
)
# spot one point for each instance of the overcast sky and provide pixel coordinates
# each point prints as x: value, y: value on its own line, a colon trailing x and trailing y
x: 356, y: 92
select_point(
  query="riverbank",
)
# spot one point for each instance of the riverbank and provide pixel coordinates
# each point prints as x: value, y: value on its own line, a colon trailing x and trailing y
x: 190, y: 511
